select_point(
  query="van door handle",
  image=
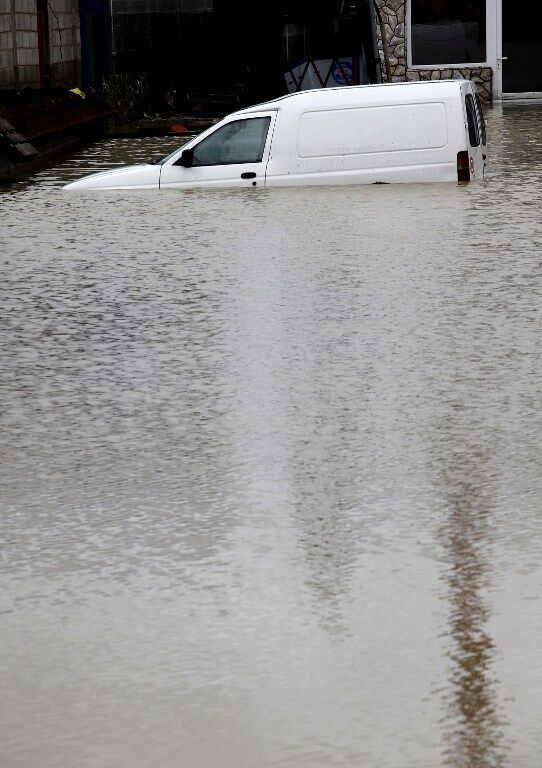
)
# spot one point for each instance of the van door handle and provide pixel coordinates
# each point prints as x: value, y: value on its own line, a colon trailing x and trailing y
x: 248, y: 175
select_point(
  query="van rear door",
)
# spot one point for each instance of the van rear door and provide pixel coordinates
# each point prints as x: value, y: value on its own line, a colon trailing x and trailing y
x: 234, y: 154
x: 475, y: 133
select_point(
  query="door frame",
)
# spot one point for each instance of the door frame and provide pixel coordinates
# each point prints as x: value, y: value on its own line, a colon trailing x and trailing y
x: 494, y: 42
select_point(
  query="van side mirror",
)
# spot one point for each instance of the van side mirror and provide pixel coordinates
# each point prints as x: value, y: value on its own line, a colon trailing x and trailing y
x: 186, y: 159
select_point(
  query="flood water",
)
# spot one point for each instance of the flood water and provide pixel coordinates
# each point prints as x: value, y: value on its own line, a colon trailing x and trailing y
x: 270, y: 471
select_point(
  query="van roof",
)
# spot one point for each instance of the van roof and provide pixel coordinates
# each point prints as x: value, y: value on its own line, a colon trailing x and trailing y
x: 325, y: 94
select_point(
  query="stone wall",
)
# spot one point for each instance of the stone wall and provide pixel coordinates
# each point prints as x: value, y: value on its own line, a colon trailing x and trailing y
x: 19, y: 45
x: 393, y: 14
x: 482, y: 76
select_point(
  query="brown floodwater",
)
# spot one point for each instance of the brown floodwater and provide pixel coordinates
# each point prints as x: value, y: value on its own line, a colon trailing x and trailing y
x: 270, y: 469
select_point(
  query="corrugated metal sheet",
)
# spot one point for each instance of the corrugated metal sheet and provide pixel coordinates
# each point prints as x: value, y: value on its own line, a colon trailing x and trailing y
x: 196, y: 6
x: 133, y: 7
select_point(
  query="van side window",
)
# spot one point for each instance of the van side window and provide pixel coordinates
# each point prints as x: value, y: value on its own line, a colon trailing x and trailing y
x: 241, y: 141
x: 481, y: 120
x: 474, y: 136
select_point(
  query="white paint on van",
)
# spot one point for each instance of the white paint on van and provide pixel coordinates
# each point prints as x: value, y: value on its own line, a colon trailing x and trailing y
x: 392, y: 128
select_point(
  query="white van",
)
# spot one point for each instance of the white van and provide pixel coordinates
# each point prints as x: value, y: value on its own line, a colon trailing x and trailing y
x: 369, y: 134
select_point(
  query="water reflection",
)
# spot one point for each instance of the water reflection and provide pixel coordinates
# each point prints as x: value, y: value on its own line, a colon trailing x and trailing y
x: 475, y: 725
x: 326, y: 435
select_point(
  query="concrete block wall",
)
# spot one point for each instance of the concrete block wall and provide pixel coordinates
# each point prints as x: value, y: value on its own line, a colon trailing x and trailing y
x: 19, y: 48
x: 19, y: 54
x: 64, y: 42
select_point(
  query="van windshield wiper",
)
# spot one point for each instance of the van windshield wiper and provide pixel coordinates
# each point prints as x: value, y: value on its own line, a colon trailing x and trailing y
x: 157, y: 160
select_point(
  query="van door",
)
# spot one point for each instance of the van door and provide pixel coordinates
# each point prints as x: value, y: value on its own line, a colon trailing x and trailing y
x: 234, y: 154
x: 475, y: 130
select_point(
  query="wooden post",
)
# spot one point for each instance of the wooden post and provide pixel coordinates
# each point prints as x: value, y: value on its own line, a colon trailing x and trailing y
x: 356, y: 71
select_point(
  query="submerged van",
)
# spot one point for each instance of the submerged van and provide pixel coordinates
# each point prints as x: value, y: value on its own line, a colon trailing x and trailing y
x: 369, y: 134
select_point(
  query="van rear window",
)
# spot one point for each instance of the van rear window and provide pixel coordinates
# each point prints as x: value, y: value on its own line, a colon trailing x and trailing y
x: 481, y: 119
x: 474, y: 133
x: 392, y: 128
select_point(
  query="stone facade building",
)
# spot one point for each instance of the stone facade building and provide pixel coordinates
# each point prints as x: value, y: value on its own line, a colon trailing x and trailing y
x: 39, y: 43
x: 493, y: 42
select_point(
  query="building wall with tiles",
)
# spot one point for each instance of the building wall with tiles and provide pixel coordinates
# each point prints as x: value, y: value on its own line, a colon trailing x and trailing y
x: 19, y: 43
x: 394, y: 17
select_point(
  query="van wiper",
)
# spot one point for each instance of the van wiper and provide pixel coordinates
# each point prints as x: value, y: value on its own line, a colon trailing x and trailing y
x: 157, y: 160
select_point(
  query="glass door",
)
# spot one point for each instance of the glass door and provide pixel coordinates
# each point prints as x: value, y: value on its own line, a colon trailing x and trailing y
x: 521, y: 47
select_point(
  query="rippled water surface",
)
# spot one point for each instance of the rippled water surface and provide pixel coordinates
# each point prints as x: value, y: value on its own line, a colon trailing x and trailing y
x: 270, y: 468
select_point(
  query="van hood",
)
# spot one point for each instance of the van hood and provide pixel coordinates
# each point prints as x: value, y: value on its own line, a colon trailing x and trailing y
x: 130, y: 177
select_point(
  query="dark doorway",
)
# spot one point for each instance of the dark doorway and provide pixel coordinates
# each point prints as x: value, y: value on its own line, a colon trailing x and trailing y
x: 95, y: 41
x: 521, y: 47
x: 237, y: 49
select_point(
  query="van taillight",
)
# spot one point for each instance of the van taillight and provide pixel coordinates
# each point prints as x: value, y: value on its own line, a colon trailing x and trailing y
x: 463, y: 173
